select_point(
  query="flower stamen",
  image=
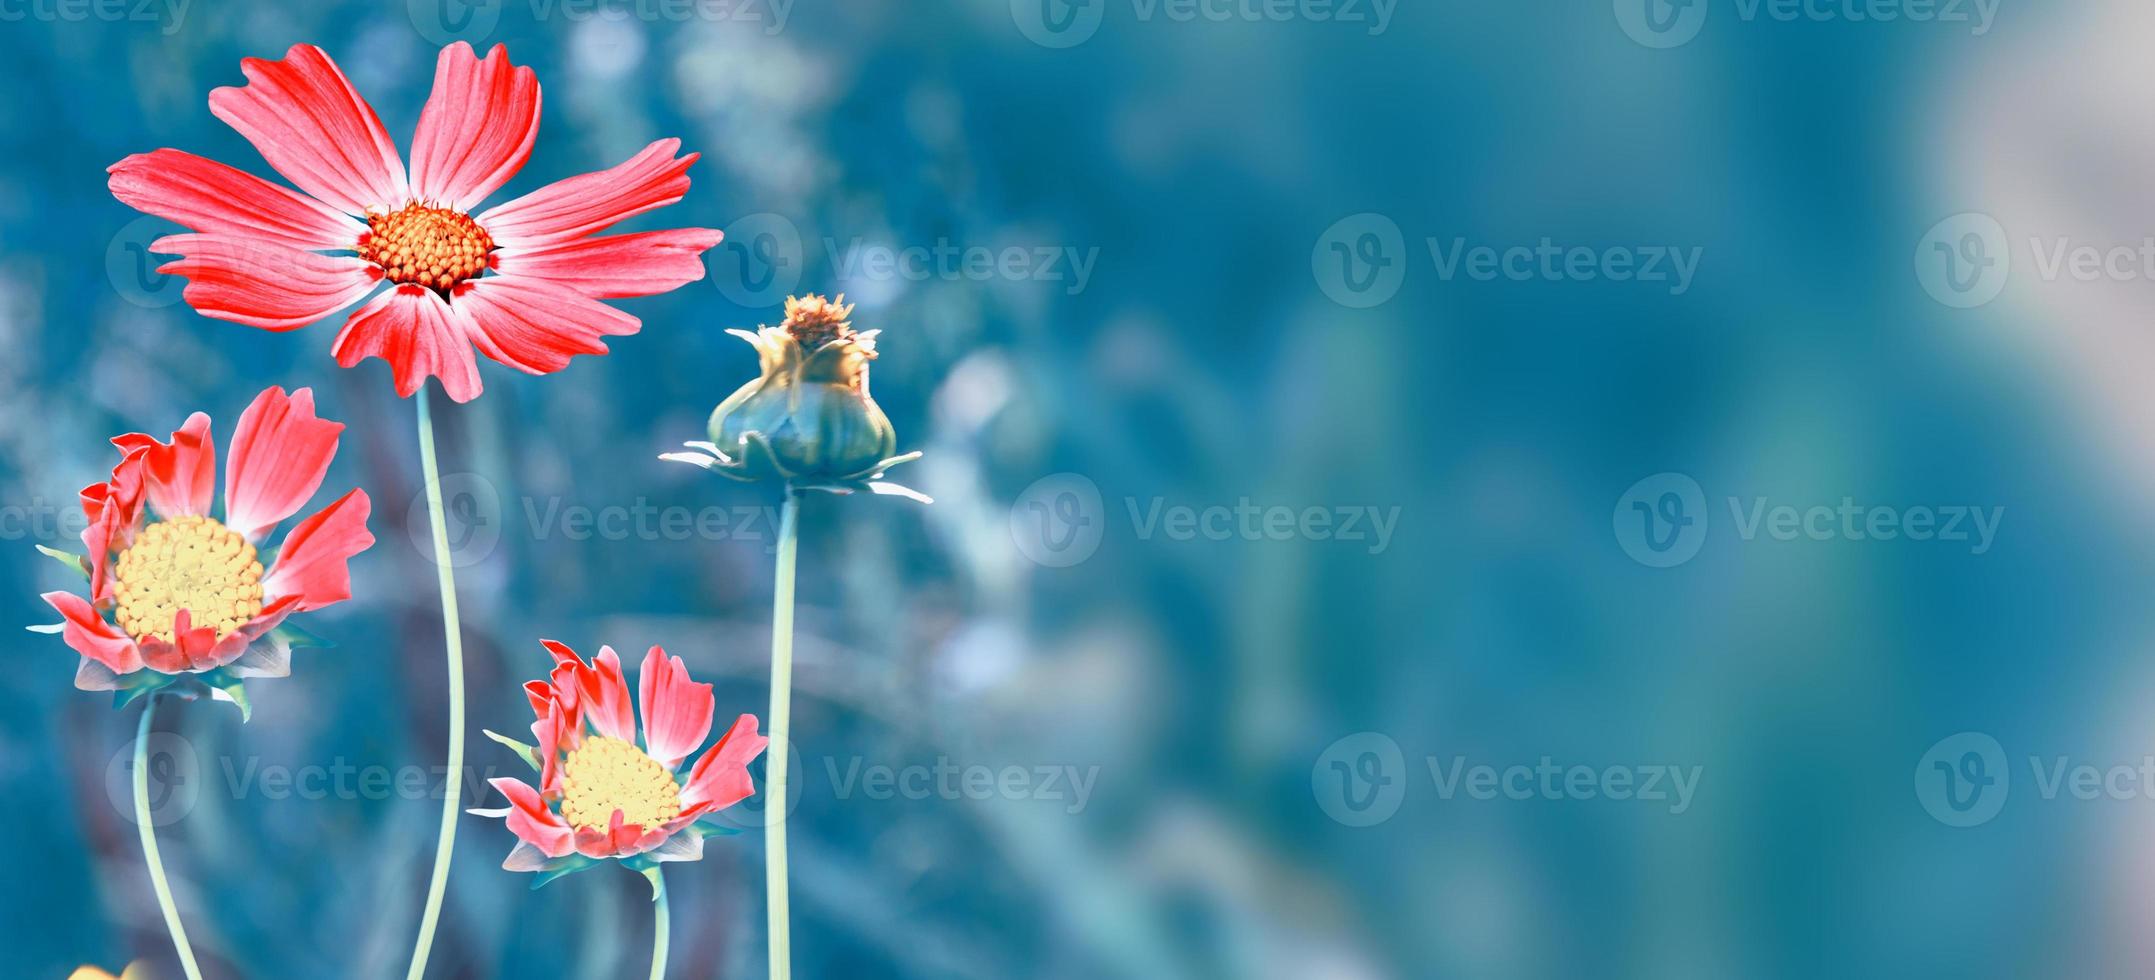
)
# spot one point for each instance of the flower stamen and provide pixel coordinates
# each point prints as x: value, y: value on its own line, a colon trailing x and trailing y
x: 191, y: 563
x: 434, y: 247
x: 815, y: 321
x: 607, y: 774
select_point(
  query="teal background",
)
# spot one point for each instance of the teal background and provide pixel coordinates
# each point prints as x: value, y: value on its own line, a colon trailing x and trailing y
x: 1207, y: 360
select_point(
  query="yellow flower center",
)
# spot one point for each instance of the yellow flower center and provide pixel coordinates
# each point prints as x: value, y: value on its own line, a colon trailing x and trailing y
x: 434, y: 247
x: 608, y: 774
x: 191, y: 563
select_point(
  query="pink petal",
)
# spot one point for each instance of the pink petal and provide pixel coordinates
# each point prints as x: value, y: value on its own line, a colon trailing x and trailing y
x: 477, y: 128
x: 181, y: 476
x: 606, y: 697
x: 616, y: 265
x: 417, y: 333
x: 312, y: 563
x: 677, y: 712
x: 88, y: 634
x: 309, y: 123
x: 532, y: 821
x: 194, y: 648
x: 280, y: 454
x: 232, y: 646
x: 536, y: 326
x: 721, y: 778
x: 585, y: 203
x: 114, y: 511
x: 261, y: 283
x: 214, y: 199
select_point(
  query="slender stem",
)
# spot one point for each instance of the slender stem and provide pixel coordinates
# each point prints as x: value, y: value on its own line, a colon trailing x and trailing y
x: 774, y: 811
x: 144, y: 827
x: 452, y: 633
x: 659, y: 927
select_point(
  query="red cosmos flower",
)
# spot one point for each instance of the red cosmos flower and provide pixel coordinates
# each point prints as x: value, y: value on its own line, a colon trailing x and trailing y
x: 177, y: 593
x: 601, y: 796
x: 521, y: 281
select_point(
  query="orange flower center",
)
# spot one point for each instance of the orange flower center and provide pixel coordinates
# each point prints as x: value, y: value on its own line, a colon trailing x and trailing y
x: 608, y: 774
x: 434, y: 247
x: 191, y: 563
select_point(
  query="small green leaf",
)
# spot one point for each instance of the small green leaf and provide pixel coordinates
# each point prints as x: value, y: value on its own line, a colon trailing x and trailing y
x: 530, y: 754
x: 69, y: 559
x: 47, y: 628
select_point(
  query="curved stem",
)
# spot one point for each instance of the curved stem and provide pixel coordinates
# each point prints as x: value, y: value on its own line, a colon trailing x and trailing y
x: 774, y: 811
x: 149, y: 845
x: 660, y: 927
x: 452, y: 634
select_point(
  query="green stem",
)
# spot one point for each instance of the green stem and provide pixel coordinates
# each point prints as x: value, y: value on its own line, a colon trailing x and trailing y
x: 660, y: 927
x: 452, y: 633
x: 144, y: 827
x: 774, y: 811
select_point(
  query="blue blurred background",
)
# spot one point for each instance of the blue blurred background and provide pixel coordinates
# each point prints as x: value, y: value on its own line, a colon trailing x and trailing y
x: 1169, y: 299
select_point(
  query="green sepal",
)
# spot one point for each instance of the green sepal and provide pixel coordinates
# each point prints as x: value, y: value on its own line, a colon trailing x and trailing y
x: 297, y: 637
x: 530, y: 754
x: 129, y: 695
x: 707, y: 830
x: 565, y: 867
x: 80, y: 564
x: 234, y: 690
x: 658, y: 881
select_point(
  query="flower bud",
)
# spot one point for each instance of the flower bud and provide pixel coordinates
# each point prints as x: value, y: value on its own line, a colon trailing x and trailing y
x: 808, y: 418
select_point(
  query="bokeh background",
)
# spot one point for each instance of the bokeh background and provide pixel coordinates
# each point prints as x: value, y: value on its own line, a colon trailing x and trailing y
x: 1246, y: 312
